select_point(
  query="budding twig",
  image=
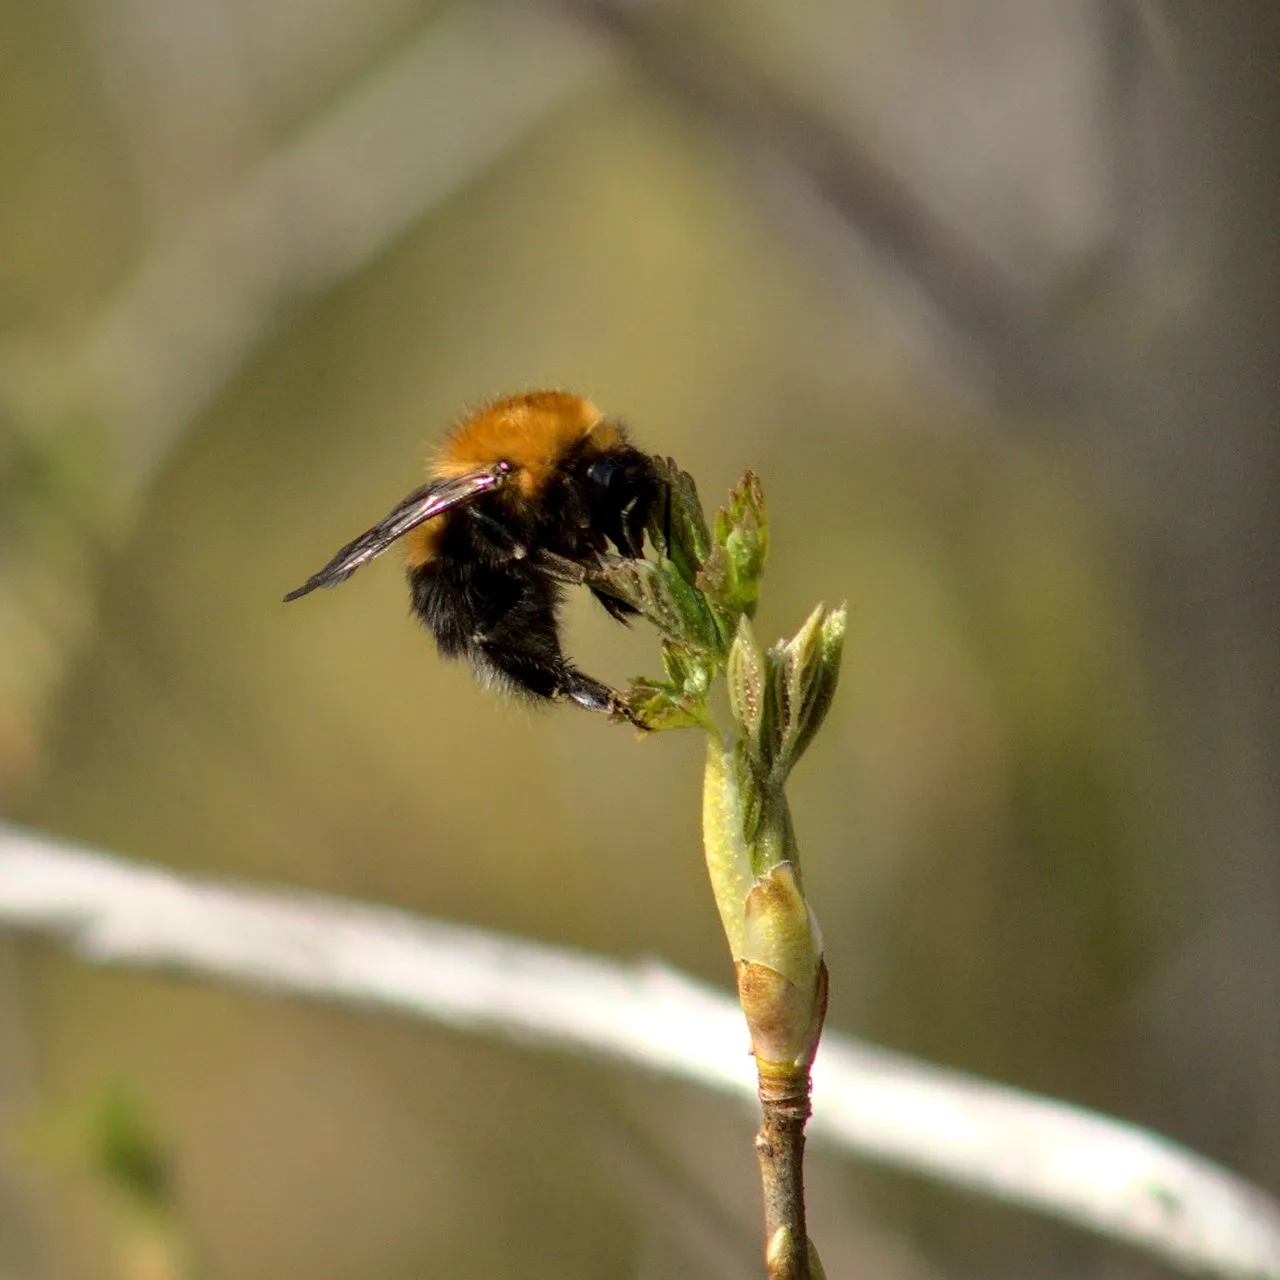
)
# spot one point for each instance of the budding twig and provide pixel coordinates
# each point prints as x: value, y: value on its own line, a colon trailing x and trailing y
x: 701, y: 593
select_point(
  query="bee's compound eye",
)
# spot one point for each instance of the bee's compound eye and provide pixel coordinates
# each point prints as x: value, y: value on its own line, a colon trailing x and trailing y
x: 603, y: 472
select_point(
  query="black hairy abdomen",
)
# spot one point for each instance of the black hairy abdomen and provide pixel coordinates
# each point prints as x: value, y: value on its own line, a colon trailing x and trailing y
x: 486, y: 595
x: 501, y: 615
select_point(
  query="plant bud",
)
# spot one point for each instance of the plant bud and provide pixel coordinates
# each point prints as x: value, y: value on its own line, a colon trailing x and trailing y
x: 781, y: 975
x: 803, y: 672
x: 746, y: 679
x: 727, y: 852
x: 730, y: 575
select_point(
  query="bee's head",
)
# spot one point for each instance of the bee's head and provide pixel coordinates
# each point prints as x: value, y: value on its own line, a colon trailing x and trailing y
x: 622, y: 487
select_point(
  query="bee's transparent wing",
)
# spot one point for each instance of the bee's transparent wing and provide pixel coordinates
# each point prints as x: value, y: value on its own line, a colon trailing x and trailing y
x: 433, y: 498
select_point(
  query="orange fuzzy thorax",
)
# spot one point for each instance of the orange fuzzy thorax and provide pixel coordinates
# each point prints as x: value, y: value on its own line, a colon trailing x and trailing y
x: 532, y: 431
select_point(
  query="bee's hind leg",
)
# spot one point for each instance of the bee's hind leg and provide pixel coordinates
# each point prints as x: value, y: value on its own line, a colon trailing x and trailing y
x: 536, y: 669
x: 594, y: 696
x: 520, y: 648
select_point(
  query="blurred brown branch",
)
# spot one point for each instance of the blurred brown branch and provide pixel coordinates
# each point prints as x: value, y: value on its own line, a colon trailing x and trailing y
x: 1096, y: 1173
x: 823, y: 160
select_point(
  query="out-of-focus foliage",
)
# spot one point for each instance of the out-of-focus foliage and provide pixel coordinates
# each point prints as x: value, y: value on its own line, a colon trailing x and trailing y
x: 255, y: 258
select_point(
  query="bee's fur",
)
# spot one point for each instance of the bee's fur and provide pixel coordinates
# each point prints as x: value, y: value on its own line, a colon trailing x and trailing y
x: 532, y: 493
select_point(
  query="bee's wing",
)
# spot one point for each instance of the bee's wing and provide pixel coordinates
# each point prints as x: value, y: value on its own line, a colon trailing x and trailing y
x: 434, y: 497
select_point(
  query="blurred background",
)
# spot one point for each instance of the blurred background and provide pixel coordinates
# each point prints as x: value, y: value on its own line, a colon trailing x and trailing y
x: 987, y: 295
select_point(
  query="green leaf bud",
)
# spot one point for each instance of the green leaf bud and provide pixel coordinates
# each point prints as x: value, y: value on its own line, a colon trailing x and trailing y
x: 727, y: 852
x: 747, y: 694
x: 802, y: 680
x: 730, y: 575
x: 781, y: 930
x: 822, y: 691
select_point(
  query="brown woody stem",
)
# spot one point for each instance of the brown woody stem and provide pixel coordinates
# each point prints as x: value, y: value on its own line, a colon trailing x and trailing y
x: 784, y: 1104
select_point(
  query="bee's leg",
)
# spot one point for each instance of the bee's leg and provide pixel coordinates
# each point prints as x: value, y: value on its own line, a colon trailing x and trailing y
x: 591, y: 694
x: 547, y: 676
x: 520, y: 646
x: 504, y: 620
x: 561, y: 568
x: 574, y: 574
x: 594, y: 696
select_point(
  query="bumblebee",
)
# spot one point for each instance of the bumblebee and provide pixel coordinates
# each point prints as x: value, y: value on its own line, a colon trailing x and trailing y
x: 529, y: 495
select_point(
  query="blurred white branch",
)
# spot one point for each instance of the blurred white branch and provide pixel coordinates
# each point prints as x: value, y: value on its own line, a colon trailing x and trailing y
x: 1093, y: 1172
x: 313, y: 213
